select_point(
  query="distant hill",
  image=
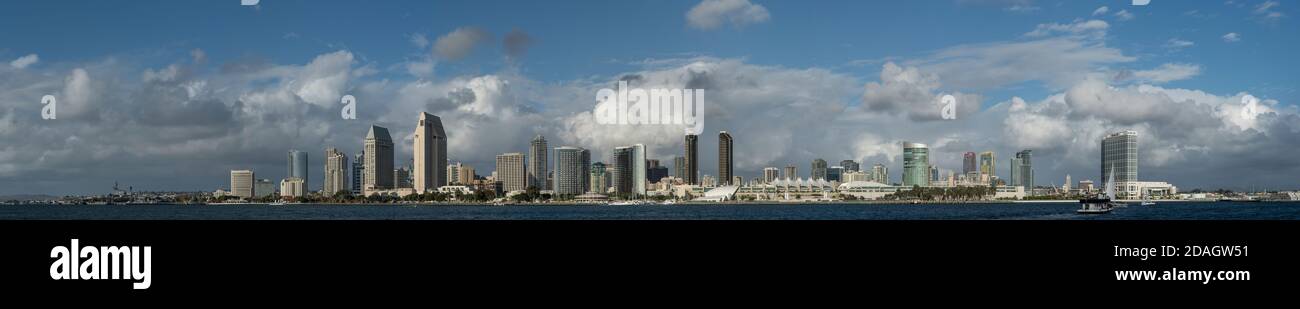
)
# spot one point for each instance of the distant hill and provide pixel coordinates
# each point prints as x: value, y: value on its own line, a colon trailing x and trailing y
x: 27, y: 197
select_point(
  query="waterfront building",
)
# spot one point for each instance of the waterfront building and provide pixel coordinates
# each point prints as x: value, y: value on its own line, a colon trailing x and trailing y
x: 378, y: 160
x: 916, y: 164
x: 263, y: 188
x: 430, y: 154
x: 358, y: 173
x: 537, y: 163
x: 621, y: 170
x: 770, y: 174
x: 510, y: 172
x: 293, y: 187
x: 855, y: 176
x: 791, y: 172
x: 571, y: 170
x: 241, y: 183
x: 692, y: 159
x: 1119, y: 152
x: 638, y: 171
x: 850, y: 166
x: 598, y: 178
x: 297, y: 166
x: 880, y: 173
x: 988, y: 169
x: 726, y: 157
x: 1022, y: 170
x: 818, y: 169
x: 336, y: 166
x: 968, y: 163
x: 834, y: 173
x: 679, y: 167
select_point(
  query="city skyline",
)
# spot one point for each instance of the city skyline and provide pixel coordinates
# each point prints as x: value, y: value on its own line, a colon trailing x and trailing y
x: 144, y: 106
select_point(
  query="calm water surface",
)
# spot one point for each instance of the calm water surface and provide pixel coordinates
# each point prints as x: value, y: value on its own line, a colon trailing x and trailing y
x: 1008, y: 211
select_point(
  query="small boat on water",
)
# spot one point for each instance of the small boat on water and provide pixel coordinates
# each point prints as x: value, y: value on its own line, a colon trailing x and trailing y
x: 1101, y: 204
x: 1093, y: 206
x: 278, y: 203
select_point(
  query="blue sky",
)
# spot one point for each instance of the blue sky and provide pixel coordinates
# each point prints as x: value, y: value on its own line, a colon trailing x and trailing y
x: 860, y: 73
x: 576, y: 39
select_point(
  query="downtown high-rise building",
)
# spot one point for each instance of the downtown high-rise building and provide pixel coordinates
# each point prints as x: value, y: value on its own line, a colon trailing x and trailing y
x: 968, y: 163
x: 620, y: 170
x: 679, y: 167
x: 880, y: 173
x: 850, y: 166
x: 453, y: 173
x: 402, y: 177
x: 511, y: 172
x: 263, y: 188
x: 571, y: 170
x: 336, y: 175
x: 934, y: 174
x: 378, y: 160
x: 358, y: 173
x: 241, y: 183
x: 726, y: 158
x: 692, y: 172
x: 916, y: 164
x: 297, y: 165
x: 537, y: 162
x: 1119, y: 152
x: 791, y: 172
x: 654, y: 172
x: 598, y: 178
x: 835, y: 173
x: 639, y: 169
x: 293, y: 187
x: 771, y: 174
x: 988, y: 166
x: 1022, y: 170
x: 818, y: 169
x: 430, y: 154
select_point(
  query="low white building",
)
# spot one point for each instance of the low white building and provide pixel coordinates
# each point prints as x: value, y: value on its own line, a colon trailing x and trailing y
x: 292, y: 187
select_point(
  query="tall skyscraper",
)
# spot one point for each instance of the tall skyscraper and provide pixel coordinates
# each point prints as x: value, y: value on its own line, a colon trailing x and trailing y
x: 880, y: 173
x: 916, y: 164
x: 850, y: 166
x: 430, y: 166
x: 791, y: 172
x: 968, y: 163
x: 599, y: 178
x: 726, y: 159
x: 511, y: 173
x: 358, y: 173
x: 465, y: 174
x: 988, y: 169
x: 379, y: 159
x: 639, y: 156
x: 241, y: 183
x: 571, y: 170
x: 537, y: 162
x: 679, y: 167
x: 692, y: 159
x: 934, y: 174
x: 771, y: 174
x: 336, y: 166
x: 818, y: 170
x: 1119, y: 152
x: 621, y: 170
x: 1022, y: 170
x: 297, y: 166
